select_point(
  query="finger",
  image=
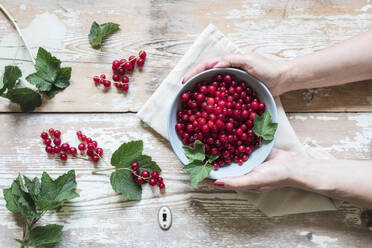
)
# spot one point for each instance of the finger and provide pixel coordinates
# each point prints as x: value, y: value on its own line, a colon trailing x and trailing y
x: 246, y: 182
x: 207, y: 64
x: 272, y: 154
x: 233, y: 60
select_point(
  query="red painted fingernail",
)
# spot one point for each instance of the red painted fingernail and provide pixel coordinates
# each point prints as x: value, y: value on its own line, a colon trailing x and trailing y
x: 212, y: 65
x: 218, y: 183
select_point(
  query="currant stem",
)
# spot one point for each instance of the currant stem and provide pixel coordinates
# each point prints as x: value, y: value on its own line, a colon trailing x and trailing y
x: 101, y: 170
x: 77, y: 156
x: 14, y: 22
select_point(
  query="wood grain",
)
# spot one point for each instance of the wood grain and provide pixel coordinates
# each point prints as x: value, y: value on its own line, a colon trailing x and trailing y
x: 277, y: 29
x: 101, y: 218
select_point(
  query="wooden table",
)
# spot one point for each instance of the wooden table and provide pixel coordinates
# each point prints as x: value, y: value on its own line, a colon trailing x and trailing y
x: 339, y: 119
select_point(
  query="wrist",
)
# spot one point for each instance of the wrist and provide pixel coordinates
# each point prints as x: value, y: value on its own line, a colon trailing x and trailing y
x: 286, y: 79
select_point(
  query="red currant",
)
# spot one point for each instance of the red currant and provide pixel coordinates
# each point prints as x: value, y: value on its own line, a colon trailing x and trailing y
x: 161, y: 185
x: 152, y: 181
x: 44, y: 135
x: 132, y: 59
x: 125, y: 87
x: 49, y: 149
x: 142, y: 54
x: 95, y: 158
x: 145, y: 174
x: 63, y: 156
x: 72, y: 150
x: 135, y: 165
x: 90, y: 147
x: 140, y: 62
x: 115, y: 65
x: 124, y: 79
x: 139, y: 180
x: 107, y: 83
x: 78, y: 133
x: 57, y: 149
x: 129, y: 66
x: 160, y: 180
x: 103, y: 76
x: 81, y: 147
x: 57, y: 141
x: 65, y: 147
x: 96, y: 79
x: 115, y: 77
x: 155, y: 174
x: 47, y: 141
x: 51, y: 131
x: 99, y: 151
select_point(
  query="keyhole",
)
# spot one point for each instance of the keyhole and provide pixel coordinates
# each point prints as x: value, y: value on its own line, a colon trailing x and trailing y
x: 164, y: 217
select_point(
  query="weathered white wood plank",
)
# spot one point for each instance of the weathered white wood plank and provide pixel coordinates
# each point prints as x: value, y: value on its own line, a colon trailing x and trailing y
x: 277, y: 29
x: 101, y: 218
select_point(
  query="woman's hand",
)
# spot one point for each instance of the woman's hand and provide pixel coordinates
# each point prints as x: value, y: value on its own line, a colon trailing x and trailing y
x: 268, y: 71
x: 276, y: 172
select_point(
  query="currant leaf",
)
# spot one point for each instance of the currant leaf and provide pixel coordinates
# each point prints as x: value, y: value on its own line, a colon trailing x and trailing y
x: 99, y: 32
x: 10, y: 77
x: 198, y: 172
x: 27, y: 98
x: 264, y: 127
x: 122, y: 182
x: 127, y: 153
x: 49, y: 77
x: 195, y: 153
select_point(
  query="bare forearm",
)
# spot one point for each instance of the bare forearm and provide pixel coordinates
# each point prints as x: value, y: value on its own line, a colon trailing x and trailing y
x: 349, y: 180
x: 346, y: 62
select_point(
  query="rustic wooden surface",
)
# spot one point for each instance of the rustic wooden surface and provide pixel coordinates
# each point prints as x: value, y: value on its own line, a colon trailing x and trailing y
x: 165, y: 29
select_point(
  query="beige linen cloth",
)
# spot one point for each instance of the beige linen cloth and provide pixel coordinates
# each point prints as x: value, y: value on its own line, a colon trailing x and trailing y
x: 210, y: 43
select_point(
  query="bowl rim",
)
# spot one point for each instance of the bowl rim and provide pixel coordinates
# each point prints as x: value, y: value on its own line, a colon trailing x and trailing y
x: 226, y: 70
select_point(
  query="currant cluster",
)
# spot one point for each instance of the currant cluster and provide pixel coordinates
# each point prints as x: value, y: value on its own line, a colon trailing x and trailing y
x: 90, y: 146
x: 120, y: 68
x: 221, y: 115
x: 145, y: 176
x: 52, y: 141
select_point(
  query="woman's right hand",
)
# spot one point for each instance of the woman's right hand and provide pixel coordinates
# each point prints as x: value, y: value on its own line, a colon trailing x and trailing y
x: 270, y: 72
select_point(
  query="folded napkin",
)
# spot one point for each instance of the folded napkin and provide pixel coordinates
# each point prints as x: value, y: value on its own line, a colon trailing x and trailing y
x: 212, y: 43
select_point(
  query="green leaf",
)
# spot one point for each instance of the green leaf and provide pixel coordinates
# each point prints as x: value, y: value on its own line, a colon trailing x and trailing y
x: 264, y: 127
x: 10, y: 77
x: 212, y: 157
x: 99, y: 32
x: 127, y: 153
x: 49, y: 76
x: 27, y: 98
x: 122, y: 182
x: 43, y: 235
x: 198, y: 171
x: 53, y: 193
x: 33, y: 186
x: 63, y: 79
x: 195, y: 153
x: 146, y: 163
x: 20, y: 201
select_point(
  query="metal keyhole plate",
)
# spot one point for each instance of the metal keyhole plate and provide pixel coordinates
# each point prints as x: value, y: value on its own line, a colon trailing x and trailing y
x: 165, y: 218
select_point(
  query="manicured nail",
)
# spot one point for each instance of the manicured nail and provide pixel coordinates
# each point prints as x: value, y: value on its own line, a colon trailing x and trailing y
x: 212, y: 65
x: 217, y: 183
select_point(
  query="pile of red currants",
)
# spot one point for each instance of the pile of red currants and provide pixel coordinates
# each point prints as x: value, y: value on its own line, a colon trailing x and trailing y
x: 54, y: 136
x: 63, y: 150
x: 220, y: 114
x: 120, y: 68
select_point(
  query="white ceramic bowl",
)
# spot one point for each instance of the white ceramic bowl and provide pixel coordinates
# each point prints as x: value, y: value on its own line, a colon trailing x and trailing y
x: 258, y: 155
